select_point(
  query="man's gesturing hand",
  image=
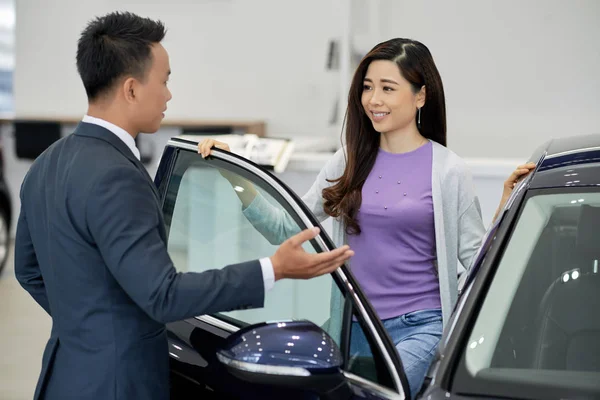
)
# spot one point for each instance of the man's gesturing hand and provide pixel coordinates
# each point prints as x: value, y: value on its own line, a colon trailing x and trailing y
x: 291, y: 261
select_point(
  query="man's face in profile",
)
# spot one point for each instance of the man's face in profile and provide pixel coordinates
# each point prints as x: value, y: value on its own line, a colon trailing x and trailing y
x: 152, y: 93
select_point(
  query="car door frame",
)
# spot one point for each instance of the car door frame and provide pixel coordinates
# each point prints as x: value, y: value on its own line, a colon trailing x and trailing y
x: 344, y: 278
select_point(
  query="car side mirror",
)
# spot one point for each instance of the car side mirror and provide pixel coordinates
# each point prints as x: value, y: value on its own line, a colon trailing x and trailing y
x: 294, y: 354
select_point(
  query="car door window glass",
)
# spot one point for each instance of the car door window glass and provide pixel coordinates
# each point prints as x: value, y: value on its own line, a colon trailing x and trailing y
x: 363, y: 356
x: 209, y: 230
x: 539, y: 324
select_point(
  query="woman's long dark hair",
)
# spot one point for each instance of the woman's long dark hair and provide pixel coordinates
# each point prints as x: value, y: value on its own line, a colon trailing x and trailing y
x: 343, y: 199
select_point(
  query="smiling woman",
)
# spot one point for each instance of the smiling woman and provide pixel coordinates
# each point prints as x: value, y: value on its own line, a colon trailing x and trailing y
x: 403, y: 202
x: 398, y: 197
x: 387, y: 93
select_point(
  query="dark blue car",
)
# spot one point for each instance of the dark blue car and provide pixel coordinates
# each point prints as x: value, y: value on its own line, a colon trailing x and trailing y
x: 526, y: 326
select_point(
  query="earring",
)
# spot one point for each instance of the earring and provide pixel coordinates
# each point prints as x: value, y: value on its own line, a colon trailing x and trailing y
x: 419, y: 118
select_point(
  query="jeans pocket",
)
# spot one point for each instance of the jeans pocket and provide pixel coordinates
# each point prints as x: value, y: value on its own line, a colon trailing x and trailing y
x: 422, y: 317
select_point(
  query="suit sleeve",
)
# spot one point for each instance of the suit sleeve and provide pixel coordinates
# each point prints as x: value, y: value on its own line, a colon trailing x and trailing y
x: 27, y: 269
x: 123, y: 218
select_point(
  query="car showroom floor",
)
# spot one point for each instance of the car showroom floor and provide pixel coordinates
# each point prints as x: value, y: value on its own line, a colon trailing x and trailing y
x: 24, y: 330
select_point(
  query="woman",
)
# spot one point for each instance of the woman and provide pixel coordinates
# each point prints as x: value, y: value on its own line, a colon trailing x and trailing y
x: 403, y: 202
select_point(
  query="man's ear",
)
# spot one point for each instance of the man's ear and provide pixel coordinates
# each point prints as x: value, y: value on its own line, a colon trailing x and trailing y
x: 129, y: 89
x: 421, y: 96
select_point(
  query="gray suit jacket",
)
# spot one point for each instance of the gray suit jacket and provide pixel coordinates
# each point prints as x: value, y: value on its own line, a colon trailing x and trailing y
x: 91, y: 250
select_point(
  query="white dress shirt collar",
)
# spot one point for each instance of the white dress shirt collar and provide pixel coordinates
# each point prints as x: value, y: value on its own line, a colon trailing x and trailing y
x: 119, y: 132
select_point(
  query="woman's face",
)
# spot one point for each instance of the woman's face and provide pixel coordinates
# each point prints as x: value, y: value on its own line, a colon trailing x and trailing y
x: 388, y: 99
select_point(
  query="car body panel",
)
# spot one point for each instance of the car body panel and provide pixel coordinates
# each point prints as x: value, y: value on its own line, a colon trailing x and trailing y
x: 568, y: 162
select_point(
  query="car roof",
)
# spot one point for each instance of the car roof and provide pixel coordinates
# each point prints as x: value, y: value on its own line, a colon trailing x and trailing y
x: 567, y: 162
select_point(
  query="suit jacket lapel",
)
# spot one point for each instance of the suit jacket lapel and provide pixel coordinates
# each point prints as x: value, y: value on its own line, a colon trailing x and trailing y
x: 99, y: 132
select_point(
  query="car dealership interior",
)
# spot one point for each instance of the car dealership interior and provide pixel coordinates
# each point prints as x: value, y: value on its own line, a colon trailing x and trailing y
x: 414, y: 121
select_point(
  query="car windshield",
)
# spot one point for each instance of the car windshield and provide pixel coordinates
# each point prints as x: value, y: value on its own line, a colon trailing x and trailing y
x: 539, y: 324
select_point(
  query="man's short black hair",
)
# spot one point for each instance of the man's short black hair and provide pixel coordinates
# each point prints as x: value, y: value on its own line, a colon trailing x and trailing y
x: 113, y: 46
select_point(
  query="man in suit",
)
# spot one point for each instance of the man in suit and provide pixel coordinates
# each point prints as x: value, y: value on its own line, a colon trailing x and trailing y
x: 90, y: 243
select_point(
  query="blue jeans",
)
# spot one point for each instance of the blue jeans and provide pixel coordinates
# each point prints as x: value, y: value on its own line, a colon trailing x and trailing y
x: 415, y: 335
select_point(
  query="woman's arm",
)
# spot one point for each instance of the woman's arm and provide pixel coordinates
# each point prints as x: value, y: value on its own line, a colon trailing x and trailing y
x: 470, y: 223
x: 274, y: 223
x: 277, y: 225
x: 509, y: 184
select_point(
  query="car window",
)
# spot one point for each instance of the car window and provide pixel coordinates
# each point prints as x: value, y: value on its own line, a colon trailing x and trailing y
x: 209, y: 228
x: 363, y: 356
x: 538, y: 329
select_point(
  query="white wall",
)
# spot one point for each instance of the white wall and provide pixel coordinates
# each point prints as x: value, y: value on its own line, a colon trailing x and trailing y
x: 259, y: 59
x: 7, y: 25
x: 516, y: 72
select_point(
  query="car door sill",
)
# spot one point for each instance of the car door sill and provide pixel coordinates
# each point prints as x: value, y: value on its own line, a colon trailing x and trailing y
x: 380, y: 390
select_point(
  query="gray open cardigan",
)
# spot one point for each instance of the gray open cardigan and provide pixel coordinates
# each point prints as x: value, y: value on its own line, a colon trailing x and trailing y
x: 458, y: 223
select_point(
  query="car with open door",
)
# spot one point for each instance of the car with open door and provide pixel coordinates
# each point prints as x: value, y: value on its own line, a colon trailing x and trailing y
x: 310, y: 336
x: 526, y: 323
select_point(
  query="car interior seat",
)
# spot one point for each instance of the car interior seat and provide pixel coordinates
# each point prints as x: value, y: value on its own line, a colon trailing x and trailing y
x: 568, y: 324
